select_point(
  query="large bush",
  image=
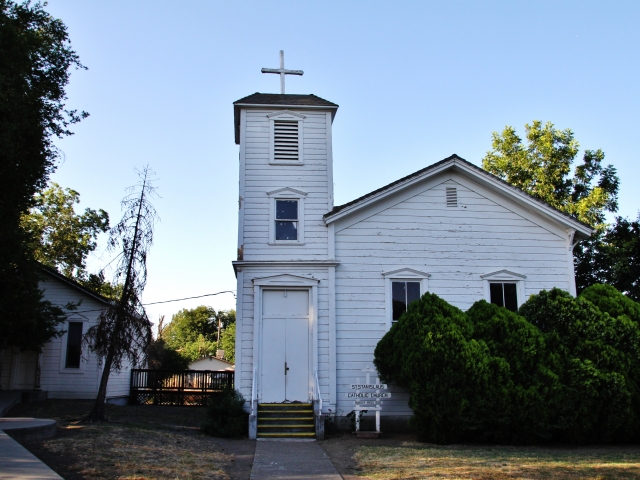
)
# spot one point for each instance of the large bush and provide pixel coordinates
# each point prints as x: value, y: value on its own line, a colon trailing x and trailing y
x: 517, y: 405
x: 430, y: 352
x: 594, y: 354
x: 561, y: 369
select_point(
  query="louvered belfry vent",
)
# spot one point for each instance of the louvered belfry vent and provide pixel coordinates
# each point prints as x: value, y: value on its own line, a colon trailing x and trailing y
x: 285, y: 136
x: 452, y: 197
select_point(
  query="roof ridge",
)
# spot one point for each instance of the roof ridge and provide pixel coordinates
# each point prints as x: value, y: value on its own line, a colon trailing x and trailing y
x: 451, y: 158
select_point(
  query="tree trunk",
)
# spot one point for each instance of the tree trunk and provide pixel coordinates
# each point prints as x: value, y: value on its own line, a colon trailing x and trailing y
x: 97, y: 413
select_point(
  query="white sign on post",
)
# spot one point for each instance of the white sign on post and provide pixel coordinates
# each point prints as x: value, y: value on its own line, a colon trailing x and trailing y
x: 368, y: 400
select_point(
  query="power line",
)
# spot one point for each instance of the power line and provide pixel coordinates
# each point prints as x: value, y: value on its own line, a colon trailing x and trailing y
x: 163, y: 301
x: 190, y: 298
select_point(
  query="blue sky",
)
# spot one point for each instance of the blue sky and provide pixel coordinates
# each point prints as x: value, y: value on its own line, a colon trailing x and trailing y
x: 415, y: 81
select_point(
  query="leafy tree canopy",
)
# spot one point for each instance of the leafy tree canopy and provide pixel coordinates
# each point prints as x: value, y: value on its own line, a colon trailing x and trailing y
x: 36, y: 57
x: 543, y: 166
x: 611, y: 257
x: 64, y: 238
x: 188, y: 324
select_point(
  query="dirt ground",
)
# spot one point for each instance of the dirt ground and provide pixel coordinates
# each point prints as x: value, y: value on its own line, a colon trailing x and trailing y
x: 140, y: 442
x: 152, y: 442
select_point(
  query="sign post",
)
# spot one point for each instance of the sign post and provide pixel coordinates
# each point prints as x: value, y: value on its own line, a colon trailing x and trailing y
x: 364, y: 400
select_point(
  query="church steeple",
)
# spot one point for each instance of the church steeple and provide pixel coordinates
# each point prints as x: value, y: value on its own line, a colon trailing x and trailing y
x: 286, y: 176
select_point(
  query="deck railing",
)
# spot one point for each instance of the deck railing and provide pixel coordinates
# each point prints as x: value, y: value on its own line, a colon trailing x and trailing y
x: 177, y: 387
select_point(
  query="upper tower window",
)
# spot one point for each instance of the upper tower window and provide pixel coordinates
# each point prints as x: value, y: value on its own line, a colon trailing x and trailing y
x: 286, y: 217
x: 286, y: 138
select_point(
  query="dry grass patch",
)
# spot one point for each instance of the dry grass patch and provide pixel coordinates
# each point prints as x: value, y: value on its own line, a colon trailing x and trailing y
x: 141, y: 442
x: 412, y: 460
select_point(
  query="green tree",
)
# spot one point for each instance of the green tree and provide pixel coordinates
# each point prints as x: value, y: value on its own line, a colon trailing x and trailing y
x: 542, y: 168
x: 36, y: 57
x: 228, y: 342
x: 186, y: 327
x: 64, y: 238
x: 611, y: 257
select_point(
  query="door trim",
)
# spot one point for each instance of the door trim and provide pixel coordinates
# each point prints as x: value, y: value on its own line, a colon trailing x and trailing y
x: 284, y: 282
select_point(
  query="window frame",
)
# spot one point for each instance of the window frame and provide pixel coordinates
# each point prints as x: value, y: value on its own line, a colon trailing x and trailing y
x: 405, y: 274
x: 63, y: 348
x: 505, y: 276
x: 286, y: 116
x: 286, y: 194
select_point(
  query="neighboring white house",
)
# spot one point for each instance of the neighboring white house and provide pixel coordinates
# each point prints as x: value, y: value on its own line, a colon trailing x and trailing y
x: 212, y: 363
x: 63, y: 370
x: 318, y: 285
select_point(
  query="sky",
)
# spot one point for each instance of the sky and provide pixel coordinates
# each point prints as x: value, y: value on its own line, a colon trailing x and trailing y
x: 415, y: 81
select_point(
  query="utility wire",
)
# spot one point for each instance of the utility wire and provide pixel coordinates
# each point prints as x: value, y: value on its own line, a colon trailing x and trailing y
x: 164, y: 301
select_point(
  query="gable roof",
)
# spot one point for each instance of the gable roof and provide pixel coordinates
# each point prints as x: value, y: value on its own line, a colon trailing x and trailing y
x: 75, y: 285
x: 454, y: 162
x: 280, y: 100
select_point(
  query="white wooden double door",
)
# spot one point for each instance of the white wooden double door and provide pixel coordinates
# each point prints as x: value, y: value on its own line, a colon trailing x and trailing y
x: 285, y: 365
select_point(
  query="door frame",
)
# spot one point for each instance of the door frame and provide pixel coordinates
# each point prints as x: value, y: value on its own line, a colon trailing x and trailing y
x: 285, y: 282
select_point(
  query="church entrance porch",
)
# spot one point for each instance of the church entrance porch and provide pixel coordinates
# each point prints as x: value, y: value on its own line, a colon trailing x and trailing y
x: 285, y: 360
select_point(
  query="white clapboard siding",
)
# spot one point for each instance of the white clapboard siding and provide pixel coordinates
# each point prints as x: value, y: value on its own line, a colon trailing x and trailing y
x: 81, y: 383
x: 260, y: 177
x: 455, y: 245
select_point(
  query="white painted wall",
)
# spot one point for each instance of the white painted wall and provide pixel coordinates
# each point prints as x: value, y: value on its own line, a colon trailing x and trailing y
x: 80, y: 383
x: 261, y: 177
x: 210, y: 363
x: 455, y: 245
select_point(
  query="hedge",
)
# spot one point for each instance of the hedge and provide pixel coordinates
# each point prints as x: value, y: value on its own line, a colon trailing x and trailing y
x: 560, y: 369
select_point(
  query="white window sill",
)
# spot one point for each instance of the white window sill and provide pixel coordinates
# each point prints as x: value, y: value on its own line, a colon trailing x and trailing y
x: 285, y: 242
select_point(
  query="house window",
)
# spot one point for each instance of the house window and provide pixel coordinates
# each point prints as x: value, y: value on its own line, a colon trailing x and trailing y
x: 286, y: 227
x: 74, y: 345
x: 504, y: 294
x: 402, y: 294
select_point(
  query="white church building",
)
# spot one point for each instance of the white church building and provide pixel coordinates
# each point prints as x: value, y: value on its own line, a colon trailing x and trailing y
x: 318, y: 285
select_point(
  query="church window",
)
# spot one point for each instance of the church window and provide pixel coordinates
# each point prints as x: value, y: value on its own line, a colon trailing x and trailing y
x: 403, y: 286
x: 504, y: 288
x: 504, y: 295
x: 286, y: 227
x: 402, y: 294
x: 74, y: 345
x: 286, y: 217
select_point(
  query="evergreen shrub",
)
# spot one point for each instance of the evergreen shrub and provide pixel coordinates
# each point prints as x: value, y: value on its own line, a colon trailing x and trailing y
x: 560, y: 369
x: 594, y: 357
x: 226, y: 416
x: 431, y: 353
x: 516, y: 407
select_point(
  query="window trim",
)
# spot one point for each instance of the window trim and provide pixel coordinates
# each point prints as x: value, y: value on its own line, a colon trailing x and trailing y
x: 286, y: 193
x: 405, y: 274
x: 504, y: 276
x: 63, y: 347
x: 286, y: 116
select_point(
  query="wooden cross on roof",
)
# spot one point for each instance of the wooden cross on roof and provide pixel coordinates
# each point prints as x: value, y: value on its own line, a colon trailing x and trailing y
x: 282, y: 71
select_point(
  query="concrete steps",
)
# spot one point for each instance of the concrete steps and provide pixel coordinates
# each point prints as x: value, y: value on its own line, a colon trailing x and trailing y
x: 286, y: 420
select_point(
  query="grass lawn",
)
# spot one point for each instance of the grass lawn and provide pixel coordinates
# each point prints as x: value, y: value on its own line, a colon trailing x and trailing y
x: 404, y: 458
x: 140, y: 442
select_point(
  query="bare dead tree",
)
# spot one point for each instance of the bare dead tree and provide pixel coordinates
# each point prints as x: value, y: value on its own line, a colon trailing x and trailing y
x: 123, y: 332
